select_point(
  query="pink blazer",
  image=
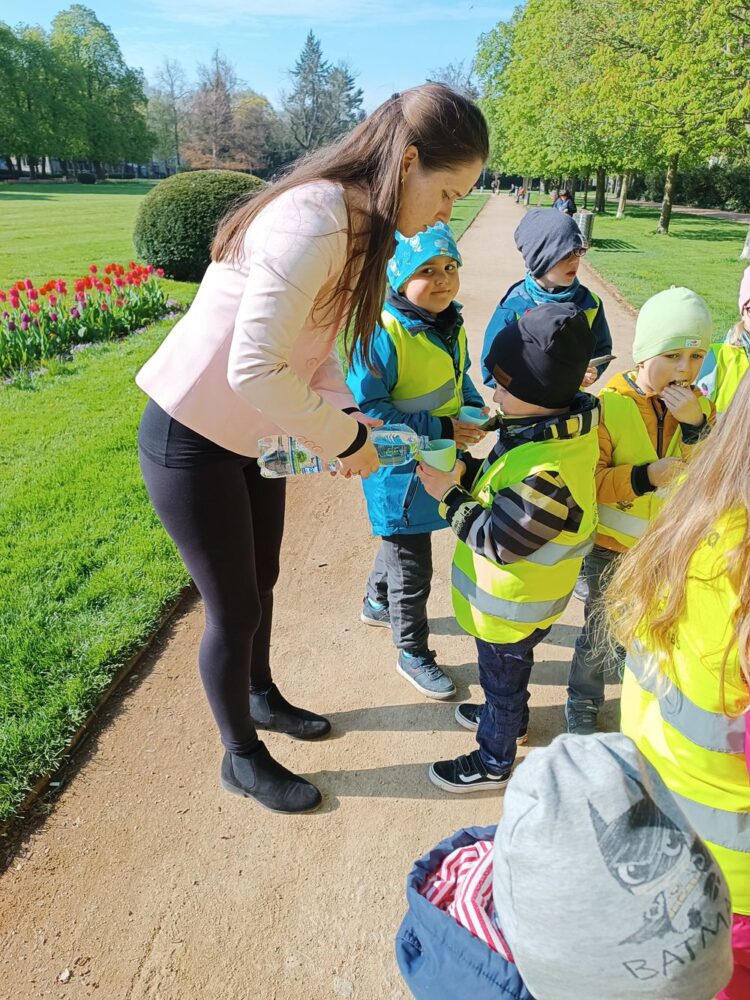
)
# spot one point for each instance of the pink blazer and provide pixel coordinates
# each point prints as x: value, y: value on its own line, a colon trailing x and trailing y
x: 255, y: 354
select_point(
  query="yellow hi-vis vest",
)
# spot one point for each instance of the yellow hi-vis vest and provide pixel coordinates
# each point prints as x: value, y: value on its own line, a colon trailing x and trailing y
x: 627, y: 521
x: 676, y: 717
x: 428, y: 377
x: 505, y: 604
x: 731, y: 364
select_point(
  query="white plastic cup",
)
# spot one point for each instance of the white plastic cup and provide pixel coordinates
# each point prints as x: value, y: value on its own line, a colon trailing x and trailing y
x: 440, y: 454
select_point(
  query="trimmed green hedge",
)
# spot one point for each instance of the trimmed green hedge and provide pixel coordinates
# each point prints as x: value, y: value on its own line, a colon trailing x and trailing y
x: 178, y: 218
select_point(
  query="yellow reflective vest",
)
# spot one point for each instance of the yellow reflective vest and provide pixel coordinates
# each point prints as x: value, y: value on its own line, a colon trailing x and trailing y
x: 506, y: 603
x: 732, y: 363
x: 676, y: 717
x: 428, y: 378
x: 627, y: 521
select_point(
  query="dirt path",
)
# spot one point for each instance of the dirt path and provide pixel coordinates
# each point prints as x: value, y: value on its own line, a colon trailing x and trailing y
x: 147, y: 880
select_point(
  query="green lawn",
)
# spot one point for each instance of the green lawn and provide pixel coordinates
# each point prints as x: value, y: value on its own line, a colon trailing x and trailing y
x: 699, y: 252
x: 57, y: 230
x: 466, y: 210
x: 85, y: 567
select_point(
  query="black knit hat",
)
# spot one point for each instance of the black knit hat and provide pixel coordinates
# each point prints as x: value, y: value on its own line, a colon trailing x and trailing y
x: 543, y: 357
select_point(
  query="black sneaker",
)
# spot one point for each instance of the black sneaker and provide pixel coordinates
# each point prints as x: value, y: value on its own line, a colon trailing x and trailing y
x: 468, y: 716
x: 466, y: 774
x: 380, y: 617
x: 270, y: 710
x: 258, y: 776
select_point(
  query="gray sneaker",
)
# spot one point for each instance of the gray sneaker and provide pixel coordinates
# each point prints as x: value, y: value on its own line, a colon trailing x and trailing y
x: 375, y: 616
x: 580, y: 717
x: 421, y: 670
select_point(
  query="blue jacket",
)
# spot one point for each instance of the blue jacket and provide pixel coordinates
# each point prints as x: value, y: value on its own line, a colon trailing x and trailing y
x: 439, y: 959
x: 397, y: 503
x: 526, y: 294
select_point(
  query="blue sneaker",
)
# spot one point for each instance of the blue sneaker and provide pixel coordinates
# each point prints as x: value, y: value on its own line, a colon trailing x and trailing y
x: 379, y: 616
x: 421, y: 670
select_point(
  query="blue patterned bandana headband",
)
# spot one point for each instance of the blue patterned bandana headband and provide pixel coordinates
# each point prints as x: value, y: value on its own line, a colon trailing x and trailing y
x: 414, y: 251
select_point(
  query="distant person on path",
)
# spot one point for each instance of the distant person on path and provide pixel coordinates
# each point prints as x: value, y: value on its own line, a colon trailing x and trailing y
x: 565, y: 203
x: 651, y: 419
x: 552, y: 247
x: 523, y: 518
x: 256, y: 355
x: 679, y: 603
x: 591, y: 847
x: 727, y: 362
x: 417, y: 373
x: 495, y: 185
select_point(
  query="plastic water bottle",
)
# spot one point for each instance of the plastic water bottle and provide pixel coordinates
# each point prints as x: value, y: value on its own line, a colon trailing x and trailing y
x: 282, y: 456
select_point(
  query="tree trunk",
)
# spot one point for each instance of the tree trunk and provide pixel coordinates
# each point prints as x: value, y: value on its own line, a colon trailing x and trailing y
x: 624, y: 181
x: 99, y: 169
x: 586, y: 180
x: 599, y: 202
x: 666, y: 205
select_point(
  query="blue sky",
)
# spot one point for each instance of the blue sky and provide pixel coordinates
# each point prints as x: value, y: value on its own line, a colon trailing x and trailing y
x: 390, y: 44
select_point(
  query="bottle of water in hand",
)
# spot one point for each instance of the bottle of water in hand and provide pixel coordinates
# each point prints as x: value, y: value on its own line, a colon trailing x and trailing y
x: 282, y: 456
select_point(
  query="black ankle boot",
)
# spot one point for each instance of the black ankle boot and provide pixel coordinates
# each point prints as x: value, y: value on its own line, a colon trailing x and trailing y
x: 258, y: 776
x: 270, y: 710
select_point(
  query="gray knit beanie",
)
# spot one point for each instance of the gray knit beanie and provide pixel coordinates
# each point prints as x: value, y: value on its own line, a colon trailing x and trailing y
x: 545, y: 236
x: 602, y: 888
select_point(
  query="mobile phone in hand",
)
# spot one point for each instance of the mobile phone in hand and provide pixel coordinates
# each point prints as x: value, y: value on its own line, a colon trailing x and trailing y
x: 603, y: 360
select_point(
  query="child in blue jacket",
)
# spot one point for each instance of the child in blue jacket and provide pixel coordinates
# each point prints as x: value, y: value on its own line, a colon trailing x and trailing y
x: 416, y: 373
x: 552, y: 246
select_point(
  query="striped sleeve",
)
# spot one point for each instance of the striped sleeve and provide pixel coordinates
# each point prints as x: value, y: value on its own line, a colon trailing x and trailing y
x: 523, y: 517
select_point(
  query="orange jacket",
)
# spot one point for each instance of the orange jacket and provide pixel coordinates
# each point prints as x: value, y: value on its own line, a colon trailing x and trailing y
x: 614, y: 482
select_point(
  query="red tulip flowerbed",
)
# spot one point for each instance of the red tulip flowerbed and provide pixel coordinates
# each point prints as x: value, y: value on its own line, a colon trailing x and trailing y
x: 39, y: 323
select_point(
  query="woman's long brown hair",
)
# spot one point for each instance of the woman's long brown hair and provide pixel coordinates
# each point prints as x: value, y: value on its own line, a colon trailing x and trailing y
x: 448, y: 131
x: 647, y: 593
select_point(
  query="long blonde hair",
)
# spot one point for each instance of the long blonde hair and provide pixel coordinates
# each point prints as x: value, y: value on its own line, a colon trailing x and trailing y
x: 647, y: 592
x: 448, y: 131
x: 737, y: 334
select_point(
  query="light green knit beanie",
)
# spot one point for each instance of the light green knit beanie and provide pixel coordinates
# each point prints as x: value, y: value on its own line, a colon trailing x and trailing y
x: 670, y: 321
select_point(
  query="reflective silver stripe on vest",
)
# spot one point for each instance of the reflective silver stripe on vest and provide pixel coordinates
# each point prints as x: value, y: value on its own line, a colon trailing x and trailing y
x: 528, y: 612
x: 552, y: 553
x: 709, y: 730
x: 429, y: 401
x: 719, y: 826
x: 618, y: 520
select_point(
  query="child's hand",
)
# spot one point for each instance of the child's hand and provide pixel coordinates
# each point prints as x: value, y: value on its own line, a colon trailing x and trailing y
x: 683, y: 404
x: 437, y: 483
x: 465, y: 435
x: 590, y: 377
x: 663, y: 471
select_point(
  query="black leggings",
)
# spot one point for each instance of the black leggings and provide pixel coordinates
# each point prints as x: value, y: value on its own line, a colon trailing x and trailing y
x: 227, y: 523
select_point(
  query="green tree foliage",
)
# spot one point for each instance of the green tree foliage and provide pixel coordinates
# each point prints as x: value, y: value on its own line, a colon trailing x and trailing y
x: 646, y: 84
x: 108, y: 94
x: 324, y: 102
x: 69, y: 94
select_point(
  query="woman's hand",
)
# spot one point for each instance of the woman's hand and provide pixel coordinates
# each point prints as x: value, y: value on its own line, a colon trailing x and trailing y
x: 465, y: 435
x: 360, y: 462
x: 683, y: 404
x: 436, y: 482
x: 362, y: 418
x: 590, y: 377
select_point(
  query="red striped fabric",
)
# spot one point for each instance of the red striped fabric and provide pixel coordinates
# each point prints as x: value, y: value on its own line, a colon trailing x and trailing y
x: 462, y: 887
